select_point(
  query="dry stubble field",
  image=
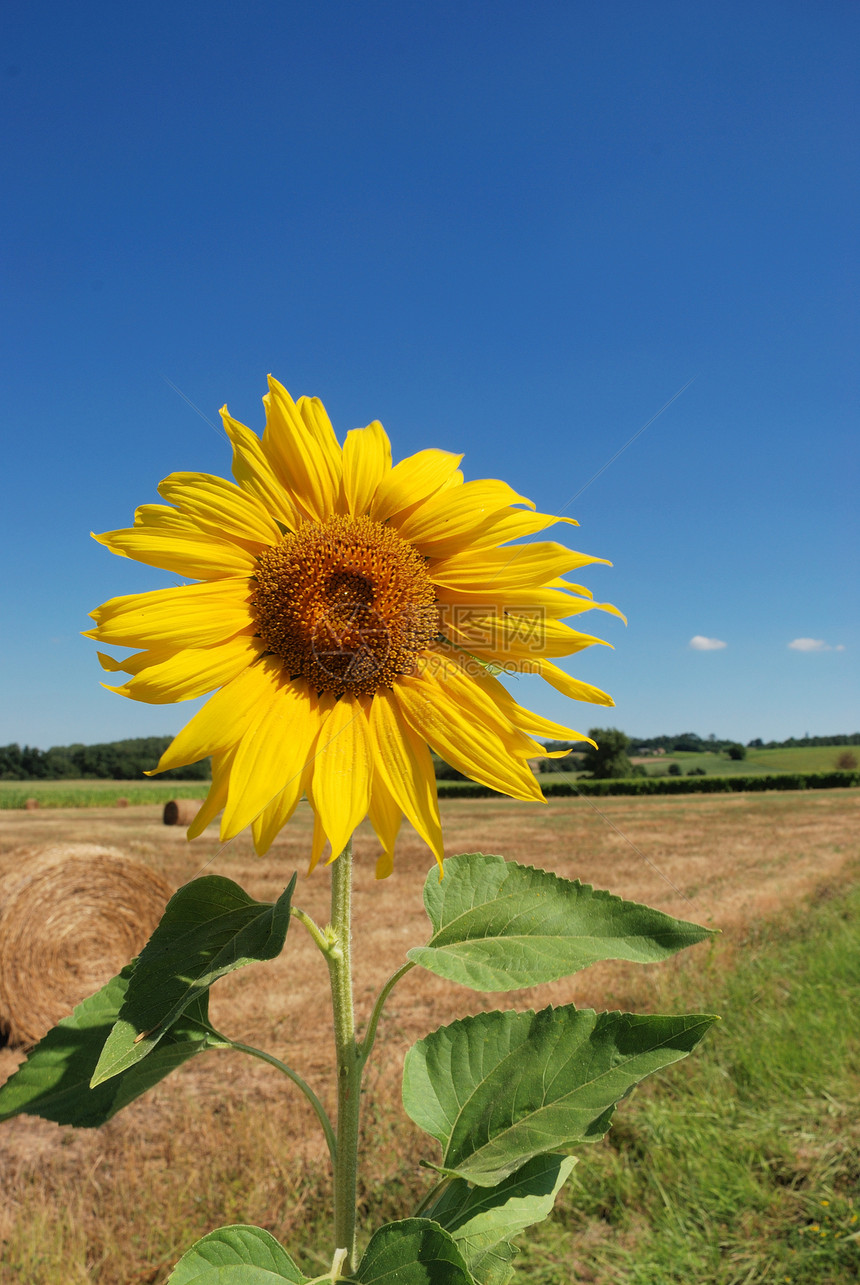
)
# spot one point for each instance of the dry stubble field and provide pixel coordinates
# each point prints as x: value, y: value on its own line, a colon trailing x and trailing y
x: 226, y: 1140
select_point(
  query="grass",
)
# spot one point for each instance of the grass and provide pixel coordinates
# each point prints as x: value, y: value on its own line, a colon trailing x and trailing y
x: 744, y: 1165
x: 97, y: 794
x: 816, y: 758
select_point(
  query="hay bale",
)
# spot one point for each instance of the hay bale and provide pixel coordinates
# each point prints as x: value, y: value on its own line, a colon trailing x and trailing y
x: 31, y: 804
x: 181, y: 811
x: 122, y: 802
x: 71, y: 915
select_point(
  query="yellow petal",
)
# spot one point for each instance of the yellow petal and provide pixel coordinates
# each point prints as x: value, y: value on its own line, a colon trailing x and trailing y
x: 515, y: 525
x: 385, y: 817
x: 497, y: 600
x: 384, y: 864
x: 341, y: 773
x: 115, y: 666
x: 404, y: 765
x: 189, y: 616
x: 191, y: 672
x: 411, y: 481
x: 520, y: 566
x: 226, y: 716
x: 511, y: 636
x: 255, y: 475
x: 273, y: 818
x: 198, y: 556
x: 221, y: 507
x: 165, y: 518
x: 217, y: 796
x: 366, y: 461
x: 296, y: 456
x: 272, y: 755
x: 525, y: 719
x: 567, y: 684
x: 316, y: 421
x: 462, y: 723
x: 317, y: 844
x: 448, y: 520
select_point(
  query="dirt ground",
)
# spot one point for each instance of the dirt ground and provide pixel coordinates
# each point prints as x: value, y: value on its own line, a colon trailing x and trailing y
x: 723, y: 861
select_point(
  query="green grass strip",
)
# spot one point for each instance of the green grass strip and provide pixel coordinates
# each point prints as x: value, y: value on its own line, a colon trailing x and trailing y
x: 743, y: 1165
x: 96, y: 794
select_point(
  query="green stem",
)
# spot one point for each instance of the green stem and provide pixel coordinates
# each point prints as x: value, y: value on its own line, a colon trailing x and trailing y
x: 370, y: 1036
x: 316, y: 933
x: 349, y: 1060
x: 432, y: 1196
x: 322, y: 1116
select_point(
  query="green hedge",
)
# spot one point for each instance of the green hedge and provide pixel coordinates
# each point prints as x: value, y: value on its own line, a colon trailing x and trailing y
x: 668, y: 785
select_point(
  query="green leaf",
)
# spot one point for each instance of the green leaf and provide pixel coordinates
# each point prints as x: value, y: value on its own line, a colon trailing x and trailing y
x: 54, y: 1082
x: 499, y: 926
x: 236, y: 1256
x: 209, y: 927
x: 413, y: 1252
x: 483, y: 1220
x: 494, y: 1266
x: 500, y: 1088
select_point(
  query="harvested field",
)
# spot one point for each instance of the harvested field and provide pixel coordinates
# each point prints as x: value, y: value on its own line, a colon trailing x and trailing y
x: 189, y: 1148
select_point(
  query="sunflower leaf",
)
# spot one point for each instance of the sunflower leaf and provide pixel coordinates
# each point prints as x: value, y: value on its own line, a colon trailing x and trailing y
x: 415, y: 1251
x: 236, y: 1256
x: 54, y: 1081
x: 500, y: 1088
x: 209, y: 928
x: 482, y: 1220
x: 494, y: 1267
x: 500, y: 926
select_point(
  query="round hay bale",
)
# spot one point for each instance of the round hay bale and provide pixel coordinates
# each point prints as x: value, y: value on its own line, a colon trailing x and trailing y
x: 122, y: 802
x: 31, y: 804
x: 181, y: 811
x: 71, y: 915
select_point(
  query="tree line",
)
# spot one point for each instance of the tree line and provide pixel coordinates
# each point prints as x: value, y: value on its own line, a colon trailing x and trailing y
x: 686, y: 742
x: 128, y: 760
x: 611, y: 759
x: 111, y: 761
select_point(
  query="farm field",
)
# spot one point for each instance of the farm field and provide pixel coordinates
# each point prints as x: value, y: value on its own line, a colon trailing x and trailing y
x: 96, y: 793
x: 815, y: 758
x: 222, y: 1141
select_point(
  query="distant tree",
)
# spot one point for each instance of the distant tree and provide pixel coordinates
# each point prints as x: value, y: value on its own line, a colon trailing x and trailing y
x: 675, y: 769
x: 846, y: 761
x: 10, y: 763
x: 757, y: 744
x: 610, y: 760
x: 697, y: 771
x: 113, y: 761
x: 736, y: 751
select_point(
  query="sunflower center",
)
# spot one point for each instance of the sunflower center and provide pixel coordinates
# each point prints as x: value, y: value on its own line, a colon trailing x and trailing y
x: 346, y: 604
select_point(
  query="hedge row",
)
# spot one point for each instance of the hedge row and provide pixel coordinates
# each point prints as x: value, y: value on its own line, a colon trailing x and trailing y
x: 669, y: 785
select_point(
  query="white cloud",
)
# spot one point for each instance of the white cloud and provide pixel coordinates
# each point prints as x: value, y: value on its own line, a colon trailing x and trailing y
x: 814, y: 644
x: 700, y: 643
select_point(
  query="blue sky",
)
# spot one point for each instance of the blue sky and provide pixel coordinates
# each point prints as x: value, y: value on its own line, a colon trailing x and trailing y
x: 511, y: 229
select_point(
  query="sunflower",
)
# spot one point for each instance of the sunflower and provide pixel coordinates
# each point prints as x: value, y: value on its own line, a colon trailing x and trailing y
x: 349, y: 615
